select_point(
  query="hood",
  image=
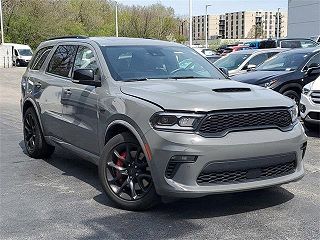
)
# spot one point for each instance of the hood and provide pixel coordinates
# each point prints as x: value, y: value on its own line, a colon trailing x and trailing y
x: 27, y: 58
x: 315, y: 85
x: 204, y: 94
x: 261, y: 77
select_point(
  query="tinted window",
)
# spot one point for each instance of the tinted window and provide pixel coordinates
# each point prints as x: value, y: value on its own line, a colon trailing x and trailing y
x: 40, y: 57
x: 258, y: 59
x: 85, y: 59
x: 232, y: 61
x: 287, y: 61
x: 161, y: 62
x: 62, y: 60
x: 314, y: 60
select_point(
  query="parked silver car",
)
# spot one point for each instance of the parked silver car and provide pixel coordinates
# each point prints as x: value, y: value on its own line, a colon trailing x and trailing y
x: 246, y: 60
x: 154, y: 125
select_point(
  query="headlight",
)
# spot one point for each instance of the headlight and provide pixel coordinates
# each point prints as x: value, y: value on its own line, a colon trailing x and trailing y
x: 270, y: 83
x: 294, y: 111
x: 175, y: 121
x: 305, y: 91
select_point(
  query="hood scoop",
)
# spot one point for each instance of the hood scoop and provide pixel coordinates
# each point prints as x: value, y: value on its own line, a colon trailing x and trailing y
x: 227, y: 90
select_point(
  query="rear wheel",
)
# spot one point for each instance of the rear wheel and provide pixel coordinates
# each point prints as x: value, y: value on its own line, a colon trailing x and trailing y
x: 125, y: 175
x: 34, y: 141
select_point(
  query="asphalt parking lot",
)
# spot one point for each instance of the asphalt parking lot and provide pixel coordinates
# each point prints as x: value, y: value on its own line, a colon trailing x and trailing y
x: 61, y: 198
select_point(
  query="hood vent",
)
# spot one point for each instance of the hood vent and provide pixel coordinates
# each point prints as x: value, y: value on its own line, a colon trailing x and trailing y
x: 232, y: 90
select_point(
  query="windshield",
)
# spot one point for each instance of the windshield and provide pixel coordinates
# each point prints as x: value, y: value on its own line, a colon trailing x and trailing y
x: 129, y: 63
x: 286, y: 61
x: 232, y: 61
x: 25, y: 52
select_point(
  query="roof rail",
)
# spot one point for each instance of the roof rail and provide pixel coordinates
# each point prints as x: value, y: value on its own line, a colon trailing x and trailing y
x: 66, y: 37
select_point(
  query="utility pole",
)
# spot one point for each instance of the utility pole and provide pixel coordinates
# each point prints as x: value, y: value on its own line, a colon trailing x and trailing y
x: 190, y: 23
x: 117, y: 30
x: 1, y: 21
x: 206, y: 23
x: 278, y: 24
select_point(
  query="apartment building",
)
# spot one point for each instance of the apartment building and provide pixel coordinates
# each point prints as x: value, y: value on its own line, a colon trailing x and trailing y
x: 238, y: 25
x: 255, y: 24
x: 215, y: 26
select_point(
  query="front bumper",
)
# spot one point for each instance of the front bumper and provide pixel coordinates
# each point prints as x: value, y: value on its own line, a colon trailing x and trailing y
x: 235, y: 145
x: 307, y: 106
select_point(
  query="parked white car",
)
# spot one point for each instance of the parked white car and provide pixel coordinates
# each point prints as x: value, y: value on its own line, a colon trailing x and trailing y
x: 246, y: 60
x: 310, y: 105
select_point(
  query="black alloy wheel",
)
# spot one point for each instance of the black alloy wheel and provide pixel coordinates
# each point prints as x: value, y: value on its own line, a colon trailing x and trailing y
x: 125, y: 174
x: 34, y: 141
x: 128, y: 174
x: 30, y: 132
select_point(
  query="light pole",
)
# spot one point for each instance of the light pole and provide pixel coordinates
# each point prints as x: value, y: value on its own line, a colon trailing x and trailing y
x: 278, y: 24
x: 190, y: 23
x: 117, y: 30
x: 206, y: 24
x: 1, y: 23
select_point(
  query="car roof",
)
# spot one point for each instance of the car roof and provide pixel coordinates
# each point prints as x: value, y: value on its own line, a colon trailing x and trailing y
x: 304, y: 50
x: 112, y: 41
x: 252, y: 51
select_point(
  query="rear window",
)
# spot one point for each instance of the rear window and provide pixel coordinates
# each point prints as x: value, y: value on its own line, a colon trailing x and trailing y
x: 40, y: 58
x: 62, y: 60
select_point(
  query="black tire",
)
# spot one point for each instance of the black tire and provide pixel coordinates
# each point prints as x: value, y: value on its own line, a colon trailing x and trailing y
x: 120, y: 178
x: 293, y: 95
x: 18, y: 63
x: 34, y: 141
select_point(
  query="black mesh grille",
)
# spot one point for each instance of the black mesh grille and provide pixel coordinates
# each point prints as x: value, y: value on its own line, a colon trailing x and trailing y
x: 171, y: 168
x: 244, y: 175
x: 220, y: 123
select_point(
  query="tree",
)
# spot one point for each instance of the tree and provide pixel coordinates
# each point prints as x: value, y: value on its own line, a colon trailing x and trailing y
x: 33, y: 21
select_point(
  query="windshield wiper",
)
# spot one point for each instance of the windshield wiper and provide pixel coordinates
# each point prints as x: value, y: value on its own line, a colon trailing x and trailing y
x: 134, y: 79
x: 186, y: 77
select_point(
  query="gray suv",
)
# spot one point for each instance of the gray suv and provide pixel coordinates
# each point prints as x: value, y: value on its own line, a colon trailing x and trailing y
x: 158, y: 119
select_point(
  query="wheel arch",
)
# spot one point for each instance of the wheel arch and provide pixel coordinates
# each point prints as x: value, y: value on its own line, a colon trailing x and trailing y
x: 291, y: 86
x: 118, y: 126
x: 30, y: 103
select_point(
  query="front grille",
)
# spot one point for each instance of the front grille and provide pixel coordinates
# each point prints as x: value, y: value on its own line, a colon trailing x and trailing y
x: 221, y: 123
x: 247, y: 174
x: 315, y: 97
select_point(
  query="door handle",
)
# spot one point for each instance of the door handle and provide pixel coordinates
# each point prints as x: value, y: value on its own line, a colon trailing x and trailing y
x: 67, y: 91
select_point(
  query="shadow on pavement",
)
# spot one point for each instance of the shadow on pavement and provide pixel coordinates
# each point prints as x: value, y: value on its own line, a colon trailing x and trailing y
x: 170, y: 220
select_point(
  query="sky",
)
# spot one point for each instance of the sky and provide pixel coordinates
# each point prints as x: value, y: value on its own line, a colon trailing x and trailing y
x: 181, y: 7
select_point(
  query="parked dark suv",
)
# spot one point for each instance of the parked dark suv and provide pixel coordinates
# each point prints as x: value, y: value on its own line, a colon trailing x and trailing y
x: 286, y: 72
x: 154, y: 125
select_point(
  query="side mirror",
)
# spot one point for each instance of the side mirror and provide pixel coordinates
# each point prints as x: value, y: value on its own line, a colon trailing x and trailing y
x: 313, y: 69
x: 224, y: 70
x: 251, y: 67
x: 85, y: 77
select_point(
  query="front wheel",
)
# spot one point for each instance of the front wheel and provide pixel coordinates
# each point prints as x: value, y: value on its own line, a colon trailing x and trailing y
x: 125, y: 175
x: 293, y: 95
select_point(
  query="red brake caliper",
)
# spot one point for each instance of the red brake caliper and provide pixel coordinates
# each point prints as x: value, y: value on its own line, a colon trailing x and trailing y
x: 120, y: 164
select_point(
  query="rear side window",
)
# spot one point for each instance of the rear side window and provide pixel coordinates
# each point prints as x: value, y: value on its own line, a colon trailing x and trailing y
x: 62, y: 60
x: 258, y: 59
x: 40, y: 57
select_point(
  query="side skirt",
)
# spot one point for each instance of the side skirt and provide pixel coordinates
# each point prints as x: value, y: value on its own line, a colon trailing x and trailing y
x: 85, y: 155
